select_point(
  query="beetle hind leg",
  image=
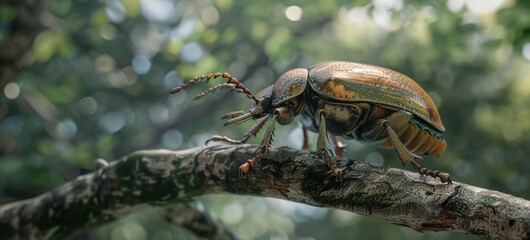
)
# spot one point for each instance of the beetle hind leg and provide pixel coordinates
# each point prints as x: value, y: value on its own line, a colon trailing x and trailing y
x: 406, y: 156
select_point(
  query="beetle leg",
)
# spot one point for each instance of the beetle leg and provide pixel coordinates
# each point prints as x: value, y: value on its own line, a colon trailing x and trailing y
x: 337, y: 142
x: 378, y: 130
x: 324, y: 148
x: 305, y: 144
x: 444, y: 177
x: 231, y: 115
x: 225, y: 139
x: 251, y: 132
x: 404, y: 154
x: 263, y: 148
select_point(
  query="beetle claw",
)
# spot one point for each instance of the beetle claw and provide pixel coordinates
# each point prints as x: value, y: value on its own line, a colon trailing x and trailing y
x: 338, y: 174
x: 335, y: 170
x: 242, y: 175
x: 449, y: 179
x: 444, y: 177
x: 243, y: 170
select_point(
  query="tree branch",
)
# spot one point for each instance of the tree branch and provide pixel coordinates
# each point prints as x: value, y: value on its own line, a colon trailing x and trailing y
x: 153, y: 178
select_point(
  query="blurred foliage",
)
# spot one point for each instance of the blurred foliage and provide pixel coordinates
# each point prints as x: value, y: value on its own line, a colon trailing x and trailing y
x: 101, y: 70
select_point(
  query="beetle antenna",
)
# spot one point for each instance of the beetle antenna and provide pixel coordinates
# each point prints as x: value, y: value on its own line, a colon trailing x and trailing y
x: 231, y: 80
x: 221, y: 85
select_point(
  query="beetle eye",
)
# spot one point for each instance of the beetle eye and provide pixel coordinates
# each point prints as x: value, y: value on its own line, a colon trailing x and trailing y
x: 266, y: 102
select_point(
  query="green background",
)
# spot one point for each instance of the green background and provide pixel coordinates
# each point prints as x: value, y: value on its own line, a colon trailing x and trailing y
x: 100, y: 71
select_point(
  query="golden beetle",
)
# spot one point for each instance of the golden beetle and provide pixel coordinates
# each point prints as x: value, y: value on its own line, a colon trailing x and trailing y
x: 353, y: 100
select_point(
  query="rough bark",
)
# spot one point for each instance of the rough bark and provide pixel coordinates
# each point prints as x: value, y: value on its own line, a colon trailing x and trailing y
x: 146, y: 179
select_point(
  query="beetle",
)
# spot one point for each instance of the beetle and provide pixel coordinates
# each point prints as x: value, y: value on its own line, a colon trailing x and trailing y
x: 338, y: 98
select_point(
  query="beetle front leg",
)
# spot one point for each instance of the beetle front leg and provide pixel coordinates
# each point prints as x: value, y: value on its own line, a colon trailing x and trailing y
x: 251, y: 132
x: 231, y: 115
x: 263, y: 148
x: 324, y: 148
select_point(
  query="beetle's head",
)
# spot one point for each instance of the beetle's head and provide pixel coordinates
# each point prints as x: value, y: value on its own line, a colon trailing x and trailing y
x: 284, y: 99
x: 255, y: 110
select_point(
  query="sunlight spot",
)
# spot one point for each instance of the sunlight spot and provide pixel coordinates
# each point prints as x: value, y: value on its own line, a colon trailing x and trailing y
x: 141, y: 64
x: 158, y: 113
x: 294, y: 13
x: 66, y: 129
x: 481, y: 6
x: 108, y: 32
x: 191, y: 52
x: 159, y: 10
x: 112, y: 122
x: 388, y: 4
x: 172, y: 139
x: 210, y: 16
x: 104, y: 63
x: 115, y: 11
x: 357, y: 15
x: 87, y: 105
x: 11, y: 90
x: 382, y: 17
x: 455, y: 5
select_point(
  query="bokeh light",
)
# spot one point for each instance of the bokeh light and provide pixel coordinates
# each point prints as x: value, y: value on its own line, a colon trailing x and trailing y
x: 11, y: 90
x: 294, y: 13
